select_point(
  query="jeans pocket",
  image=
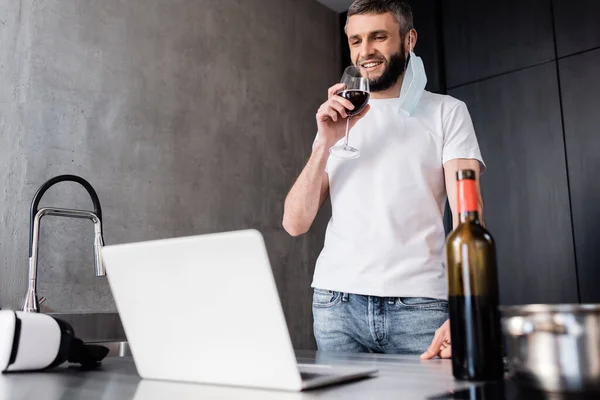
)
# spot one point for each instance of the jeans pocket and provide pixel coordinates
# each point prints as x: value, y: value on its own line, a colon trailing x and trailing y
x: 423, y: 303
x: 325, y: 298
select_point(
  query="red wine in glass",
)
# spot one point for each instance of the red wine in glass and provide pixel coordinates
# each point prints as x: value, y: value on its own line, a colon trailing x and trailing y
x: 358, y: 98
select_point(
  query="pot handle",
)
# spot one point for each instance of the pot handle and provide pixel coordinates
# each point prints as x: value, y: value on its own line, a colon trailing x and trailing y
x: 557, y: 325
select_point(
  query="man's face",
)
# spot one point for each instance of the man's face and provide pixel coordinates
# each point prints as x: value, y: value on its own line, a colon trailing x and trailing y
x: 376, y: 48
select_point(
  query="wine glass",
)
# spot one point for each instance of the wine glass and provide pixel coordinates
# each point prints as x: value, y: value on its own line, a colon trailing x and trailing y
x: 356, y: 90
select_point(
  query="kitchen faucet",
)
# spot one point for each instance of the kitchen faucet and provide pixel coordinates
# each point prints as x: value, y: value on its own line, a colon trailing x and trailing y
x: 32, y: 303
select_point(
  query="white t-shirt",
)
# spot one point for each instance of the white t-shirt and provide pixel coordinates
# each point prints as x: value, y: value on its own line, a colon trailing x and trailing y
x: 386, y: 234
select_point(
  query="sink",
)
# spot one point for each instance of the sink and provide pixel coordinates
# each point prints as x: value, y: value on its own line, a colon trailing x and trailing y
x: 94, y: 326
x: 115, y: 349
x: 102, y: 328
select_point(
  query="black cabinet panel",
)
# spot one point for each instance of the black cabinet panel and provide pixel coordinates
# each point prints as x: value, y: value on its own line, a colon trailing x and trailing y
x: 580, y: 85
x: 486, y: 38
x: 428, y: 44
x: 518, y: 123
x: 577, y: 25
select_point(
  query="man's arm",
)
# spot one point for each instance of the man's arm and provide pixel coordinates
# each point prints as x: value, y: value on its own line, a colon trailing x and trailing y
x: 308, y: 193
x: 450, y: 169
x: 440, y: 345
x: 312, y: 186
x: 459, y: 141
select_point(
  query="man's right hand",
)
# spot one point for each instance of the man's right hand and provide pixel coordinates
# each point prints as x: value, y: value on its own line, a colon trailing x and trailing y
x: 331, y: 116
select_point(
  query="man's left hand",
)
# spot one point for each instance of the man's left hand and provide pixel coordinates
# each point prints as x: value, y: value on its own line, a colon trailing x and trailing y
x: 440, y: 345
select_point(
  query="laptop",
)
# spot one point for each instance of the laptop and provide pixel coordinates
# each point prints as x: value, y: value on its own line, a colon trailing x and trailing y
x: 205, y: 309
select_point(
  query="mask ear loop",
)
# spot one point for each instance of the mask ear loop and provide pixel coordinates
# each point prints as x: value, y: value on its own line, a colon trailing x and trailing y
x: 409, y: 50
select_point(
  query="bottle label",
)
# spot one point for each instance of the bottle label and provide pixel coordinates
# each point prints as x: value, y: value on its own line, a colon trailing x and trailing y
x: 467, y: 196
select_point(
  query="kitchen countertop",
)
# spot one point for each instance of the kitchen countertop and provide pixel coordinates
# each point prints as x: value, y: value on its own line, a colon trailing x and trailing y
x: 399, y: 377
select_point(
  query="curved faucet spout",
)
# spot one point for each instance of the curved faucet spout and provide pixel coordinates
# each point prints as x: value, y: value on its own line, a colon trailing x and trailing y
x: 31, y: 303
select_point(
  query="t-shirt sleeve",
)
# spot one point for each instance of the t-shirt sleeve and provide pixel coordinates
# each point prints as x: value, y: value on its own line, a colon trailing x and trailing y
x: 460, y: 140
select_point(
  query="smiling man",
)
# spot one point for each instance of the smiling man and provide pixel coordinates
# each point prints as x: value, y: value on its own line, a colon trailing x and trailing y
x: 380, y: 281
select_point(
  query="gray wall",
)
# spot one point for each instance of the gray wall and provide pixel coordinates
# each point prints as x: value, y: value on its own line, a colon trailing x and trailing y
x: 187, y: 117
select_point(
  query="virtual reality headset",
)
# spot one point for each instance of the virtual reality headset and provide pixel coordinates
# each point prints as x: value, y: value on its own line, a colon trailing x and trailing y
x: 35, y: 342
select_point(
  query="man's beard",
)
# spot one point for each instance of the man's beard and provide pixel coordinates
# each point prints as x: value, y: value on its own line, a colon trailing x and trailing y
x: 393, y: 70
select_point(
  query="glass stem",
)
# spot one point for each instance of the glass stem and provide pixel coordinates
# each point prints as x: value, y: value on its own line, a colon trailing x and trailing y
x: 347, y: 130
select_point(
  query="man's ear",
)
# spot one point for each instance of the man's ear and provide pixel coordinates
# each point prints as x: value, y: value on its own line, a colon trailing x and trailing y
x: 410, y: 40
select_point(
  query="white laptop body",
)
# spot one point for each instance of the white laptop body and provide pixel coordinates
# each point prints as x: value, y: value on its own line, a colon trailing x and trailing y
x: 205, y: 309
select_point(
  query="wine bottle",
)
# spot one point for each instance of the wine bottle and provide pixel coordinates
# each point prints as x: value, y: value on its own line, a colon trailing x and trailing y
x: 473, y: 290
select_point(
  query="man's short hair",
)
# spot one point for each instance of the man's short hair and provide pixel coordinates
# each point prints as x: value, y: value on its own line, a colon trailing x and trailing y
x: 400, y: 9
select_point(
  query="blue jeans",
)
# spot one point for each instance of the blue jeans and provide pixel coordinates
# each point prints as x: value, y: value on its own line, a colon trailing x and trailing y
x: 346, y: 322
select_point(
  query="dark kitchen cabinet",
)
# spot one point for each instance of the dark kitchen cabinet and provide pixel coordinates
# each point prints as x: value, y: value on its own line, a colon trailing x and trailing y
x: 577, y: 24
x: 518, y: 123
x: 487, y: 38
x: 580, y: 85
x: 429, y: 45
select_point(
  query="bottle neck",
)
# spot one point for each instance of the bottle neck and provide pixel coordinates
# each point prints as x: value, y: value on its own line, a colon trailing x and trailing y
x: 468, y: 204
x: 469, y: 216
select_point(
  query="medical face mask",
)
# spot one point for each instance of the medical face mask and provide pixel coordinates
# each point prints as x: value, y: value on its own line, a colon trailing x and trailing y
x: 413, y: 84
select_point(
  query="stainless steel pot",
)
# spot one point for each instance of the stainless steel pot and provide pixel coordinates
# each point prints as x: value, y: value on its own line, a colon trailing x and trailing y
x: 554, y: 348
